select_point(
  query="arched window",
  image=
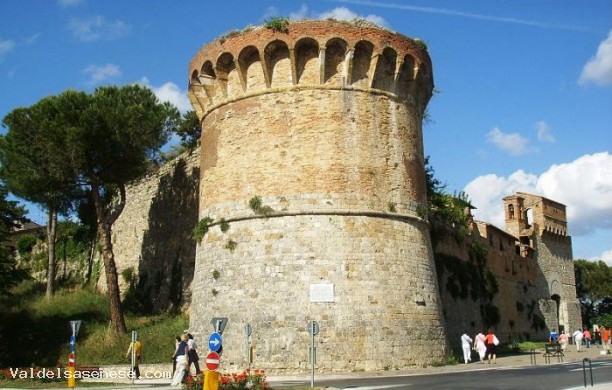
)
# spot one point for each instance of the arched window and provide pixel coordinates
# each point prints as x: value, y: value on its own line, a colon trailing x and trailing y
x: 510, y: 211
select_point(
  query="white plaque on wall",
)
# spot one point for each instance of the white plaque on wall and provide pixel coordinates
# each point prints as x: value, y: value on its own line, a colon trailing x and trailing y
x: 323, y: 292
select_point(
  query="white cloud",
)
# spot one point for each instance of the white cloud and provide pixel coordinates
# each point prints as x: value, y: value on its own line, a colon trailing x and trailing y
x: 606, y: 257
x: 302, y: 13
x: 170, y: 92
x: 69, y: 3
x: 451, y: 12
x: 598, y: 69
x: 583, y: 185
x: 31, y: 39
x: 100, y: 73
x: 97, y: 28
x: 270, y: 12
x: 339, y: 13
x: 544, y: 133
x: 511, y: 143
x: 486, y: 193
x: 6, y: 46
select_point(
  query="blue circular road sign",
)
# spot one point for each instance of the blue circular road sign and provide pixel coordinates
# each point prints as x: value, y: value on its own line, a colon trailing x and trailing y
x: 214, y: 342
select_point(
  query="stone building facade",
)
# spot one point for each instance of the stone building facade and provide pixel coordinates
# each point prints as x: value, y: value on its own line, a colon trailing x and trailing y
x: 311, y: 180
x: 530, y: 266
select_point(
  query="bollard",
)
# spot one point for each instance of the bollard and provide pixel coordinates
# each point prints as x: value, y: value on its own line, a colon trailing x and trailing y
x: 532, y: 357
x: 211, y: 380
x: 584, y: 371
x: 71, y: 376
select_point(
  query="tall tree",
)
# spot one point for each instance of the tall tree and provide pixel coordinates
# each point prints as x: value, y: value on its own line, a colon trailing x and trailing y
x: 34, y: 160
x: 10, y: 215
x: 117, y: 139
x: 593, y: 287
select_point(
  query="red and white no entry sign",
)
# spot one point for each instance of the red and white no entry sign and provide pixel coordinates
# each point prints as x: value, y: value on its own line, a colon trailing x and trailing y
x: 212, y: 361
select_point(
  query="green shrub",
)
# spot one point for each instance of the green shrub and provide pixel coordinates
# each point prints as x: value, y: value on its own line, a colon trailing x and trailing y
x: 256, y: 204
x: 277, y: 24
x: 201, y: 228
x: 25, y: 244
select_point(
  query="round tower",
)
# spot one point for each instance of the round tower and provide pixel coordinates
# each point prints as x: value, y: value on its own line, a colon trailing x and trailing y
x: 312, y: 177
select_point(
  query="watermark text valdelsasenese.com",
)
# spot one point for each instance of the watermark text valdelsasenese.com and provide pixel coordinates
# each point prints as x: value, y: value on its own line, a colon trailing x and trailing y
x: 65, y: 373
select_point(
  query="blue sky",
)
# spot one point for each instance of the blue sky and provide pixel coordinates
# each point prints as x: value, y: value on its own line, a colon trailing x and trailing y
x: 524, y: 99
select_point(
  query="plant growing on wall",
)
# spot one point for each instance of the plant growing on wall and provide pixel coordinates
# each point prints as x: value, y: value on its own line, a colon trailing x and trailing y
x: 277, y: 24
x: 231, y: 245
x: 201, y: 228
x: 256, y: 204
x: 224, y: 225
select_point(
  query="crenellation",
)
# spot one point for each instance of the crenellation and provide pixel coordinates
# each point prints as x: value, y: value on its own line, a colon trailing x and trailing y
x: 315, y: 57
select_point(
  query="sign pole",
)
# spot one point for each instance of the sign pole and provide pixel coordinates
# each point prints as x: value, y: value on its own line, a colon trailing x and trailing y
x: 313, y: 328
x: 312, y: 358
x: 247, y: 331
x: 133, y: 354
x: 74, y: 325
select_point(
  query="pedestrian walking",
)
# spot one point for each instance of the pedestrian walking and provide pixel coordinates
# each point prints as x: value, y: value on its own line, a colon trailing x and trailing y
x: 492, y: 342
x: 587, y: 337
x: 480, y: 346
x: 578, y: 335
x: 466, y: 345
x: 136, y: 348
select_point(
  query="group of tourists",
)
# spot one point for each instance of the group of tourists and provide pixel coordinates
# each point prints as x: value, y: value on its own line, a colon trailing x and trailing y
x: 485, y: 345
x: 599, y: 337
x: 185, y: 354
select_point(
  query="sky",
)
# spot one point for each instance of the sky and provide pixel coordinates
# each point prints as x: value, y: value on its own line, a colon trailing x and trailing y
x: 523, y: 96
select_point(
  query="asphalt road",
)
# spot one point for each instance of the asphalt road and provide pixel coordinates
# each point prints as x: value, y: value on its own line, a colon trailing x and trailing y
x: 545, y: 377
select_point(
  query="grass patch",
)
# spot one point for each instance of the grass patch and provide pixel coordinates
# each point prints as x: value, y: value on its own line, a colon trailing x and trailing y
x: 27, y: 318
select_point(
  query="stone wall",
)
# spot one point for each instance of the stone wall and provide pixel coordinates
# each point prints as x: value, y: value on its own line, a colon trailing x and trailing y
x: 465, y: 303
x: 153, y: 236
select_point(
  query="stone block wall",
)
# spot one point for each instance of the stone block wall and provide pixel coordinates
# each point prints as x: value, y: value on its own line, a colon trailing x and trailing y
x: 384, y: 309
x: 517, y: 299
x: 153, y: 236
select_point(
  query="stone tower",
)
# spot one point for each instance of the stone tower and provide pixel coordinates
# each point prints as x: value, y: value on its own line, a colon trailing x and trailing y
x: 312, y: 173
x: 540, y: 225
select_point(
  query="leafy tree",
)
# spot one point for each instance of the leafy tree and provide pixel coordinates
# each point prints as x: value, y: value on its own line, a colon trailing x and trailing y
x: 10, y: 215
x: 593, y: 288
x: 446, y: 208
x: 116, y: 139
x: 93, y: 145
x: 189, y: 130
x: 34, y: 160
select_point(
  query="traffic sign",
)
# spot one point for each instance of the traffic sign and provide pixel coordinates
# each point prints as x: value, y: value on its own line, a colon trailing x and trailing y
x: 75, y: 325
x: 313, y: 328
x: 218, y: 324
x: 214, y: 342
x: 72, y: 344
x: 212, y: 361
